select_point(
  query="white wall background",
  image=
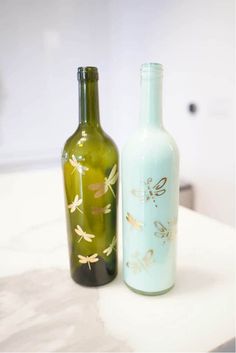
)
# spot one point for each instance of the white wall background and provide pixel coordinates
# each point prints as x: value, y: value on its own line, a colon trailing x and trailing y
x: 42, y: 43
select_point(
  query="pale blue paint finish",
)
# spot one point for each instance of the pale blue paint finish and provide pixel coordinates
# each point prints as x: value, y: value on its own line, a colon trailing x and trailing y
x: 150, y: 153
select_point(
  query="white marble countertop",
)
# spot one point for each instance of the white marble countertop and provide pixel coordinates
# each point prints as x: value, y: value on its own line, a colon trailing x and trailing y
x: 42, y: 309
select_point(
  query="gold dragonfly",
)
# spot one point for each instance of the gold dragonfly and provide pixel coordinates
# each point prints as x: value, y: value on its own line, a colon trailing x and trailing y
x: 101, y: 210
x: 148, y: 258
x: 134, y: 222
x: 83, y: 235
x: 152, y: 191
x: 75, y: 204
x: 140, y: 264
x: 101, y: 188
x: 77, y: 166
x: 165, y: 233
x: 88, y: 259
x: 111, y: 247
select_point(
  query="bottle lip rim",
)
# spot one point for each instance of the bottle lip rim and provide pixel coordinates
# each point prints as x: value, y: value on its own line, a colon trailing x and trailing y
x: 87, y: 68
x: 87, y: 73
x: 152, y: 67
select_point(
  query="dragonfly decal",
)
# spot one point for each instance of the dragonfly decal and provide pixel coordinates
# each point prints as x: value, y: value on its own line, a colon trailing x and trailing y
x: 166, y: 233
x: 88, y: 259
x: 77, y: 166
x: 101, y: 210
x: 134, y: 222
x: 138, y: 264
x: 83, y: 235
x: 111, y: 247
x: 102, y: 188
x: 152, y: 191
x: 75, y: 204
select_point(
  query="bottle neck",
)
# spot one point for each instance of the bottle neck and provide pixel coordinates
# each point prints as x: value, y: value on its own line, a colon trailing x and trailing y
x: 151, y: 95
x: 89, y: 103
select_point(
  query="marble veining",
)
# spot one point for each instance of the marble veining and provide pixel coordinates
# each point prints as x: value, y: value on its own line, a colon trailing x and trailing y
x: 46, y: 311
x: 43, y: 310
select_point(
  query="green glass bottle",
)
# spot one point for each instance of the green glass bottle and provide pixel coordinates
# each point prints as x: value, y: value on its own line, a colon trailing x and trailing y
x: 90, y: 169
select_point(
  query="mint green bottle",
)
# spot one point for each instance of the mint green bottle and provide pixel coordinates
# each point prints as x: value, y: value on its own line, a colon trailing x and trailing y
x: 150, y: 193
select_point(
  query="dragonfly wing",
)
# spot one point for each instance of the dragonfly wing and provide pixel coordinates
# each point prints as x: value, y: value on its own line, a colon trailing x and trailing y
x: 159, y: 192
x: 148, y: 257
x: 96, y: 210
x: 94, y: 260
x: 137, y: 225
x: 160, y: 226
x: 93, y: 256
x: 72, y: 162
x: 136, y: 267
x: 82, y: 259
x: 113, y: 243
x: 95, y: 186
x: 88, y: 237
x: 79, y: 230
x: 79, y: 202
x: 82, y: 169
x: 160, y: 183
x: 109, y: 251
x: 113, y: 180
x: 128, y: 217
x: 112, y: 173
x: 130, y: 264
x: 103, y: 189
x: 140, y: 194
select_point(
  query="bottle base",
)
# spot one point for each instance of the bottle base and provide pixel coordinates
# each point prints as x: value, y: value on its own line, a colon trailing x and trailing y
x: 99, y: 274
x: 95, y: 284
x: 137, y: 291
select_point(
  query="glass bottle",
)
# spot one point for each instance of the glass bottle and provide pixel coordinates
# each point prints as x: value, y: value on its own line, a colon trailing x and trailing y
x: 150, y: 193
x: 90, y: 169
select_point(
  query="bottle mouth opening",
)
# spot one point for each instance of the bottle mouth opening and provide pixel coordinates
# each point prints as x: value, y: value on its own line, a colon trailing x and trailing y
x: 155, y: 69
x: 87, y: 73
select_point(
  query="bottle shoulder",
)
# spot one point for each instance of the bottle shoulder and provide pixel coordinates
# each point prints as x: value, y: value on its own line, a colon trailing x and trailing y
x: 150, y: 142
x: 87, y: 141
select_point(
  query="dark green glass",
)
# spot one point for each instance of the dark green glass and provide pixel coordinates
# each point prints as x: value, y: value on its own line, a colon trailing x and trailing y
x: 90, y: 169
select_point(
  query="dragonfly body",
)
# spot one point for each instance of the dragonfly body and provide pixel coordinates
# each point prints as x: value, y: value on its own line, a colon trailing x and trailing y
x: 152, y: 191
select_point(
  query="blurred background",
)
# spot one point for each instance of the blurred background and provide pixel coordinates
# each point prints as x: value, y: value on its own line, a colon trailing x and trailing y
x: 43, y: 42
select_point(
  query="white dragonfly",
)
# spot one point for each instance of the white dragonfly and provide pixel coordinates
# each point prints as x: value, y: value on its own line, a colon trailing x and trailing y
x: 83, y: 235
x: 111, y: 247
x: 88, y: 259
x: 75, y: 204
x: 77, y: 166
x: 101, y: 188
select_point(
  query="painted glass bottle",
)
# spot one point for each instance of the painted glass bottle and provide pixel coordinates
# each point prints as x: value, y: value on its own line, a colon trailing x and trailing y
x: 150, y: 193
x: 90, y: 169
